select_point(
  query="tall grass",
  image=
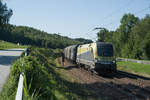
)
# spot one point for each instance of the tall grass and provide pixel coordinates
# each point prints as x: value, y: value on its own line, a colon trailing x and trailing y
x: 30, y: 66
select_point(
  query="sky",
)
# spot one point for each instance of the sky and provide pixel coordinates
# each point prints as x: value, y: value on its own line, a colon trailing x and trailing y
x: 74, y: 18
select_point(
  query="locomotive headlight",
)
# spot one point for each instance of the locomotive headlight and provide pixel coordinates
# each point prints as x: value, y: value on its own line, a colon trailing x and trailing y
x: 96, y: 60
x: 114, y: 61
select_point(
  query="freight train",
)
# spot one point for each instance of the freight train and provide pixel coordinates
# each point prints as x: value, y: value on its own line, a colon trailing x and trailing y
x: 98, y: 56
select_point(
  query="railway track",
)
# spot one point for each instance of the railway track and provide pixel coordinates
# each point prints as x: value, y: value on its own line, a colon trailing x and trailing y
x: 126, y: 85
x: 114, y: 86
x: 125, y: 94
x: 131, y: 90
x: 140, y: 80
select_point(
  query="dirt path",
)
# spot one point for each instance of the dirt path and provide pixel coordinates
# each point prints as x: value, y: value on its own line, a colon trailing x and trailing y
x: 116, y: 86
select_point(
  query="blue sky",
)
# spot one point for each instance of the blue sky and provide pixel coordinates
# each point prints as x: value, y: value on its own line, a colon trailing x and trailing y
x: 74, y: 18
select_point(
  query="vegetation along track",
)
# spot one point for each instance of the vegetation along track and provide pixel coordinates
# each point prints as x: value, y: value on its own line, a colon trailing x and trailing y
x: 123, y: 85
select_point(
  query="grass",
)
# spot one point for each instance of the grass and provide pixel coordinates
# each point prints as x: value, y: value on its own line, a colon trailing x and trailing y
x: 81, y: 89
x: 43, y: 78
x: 56, y: 86
x: 141, y: 69
x: 7, y: 45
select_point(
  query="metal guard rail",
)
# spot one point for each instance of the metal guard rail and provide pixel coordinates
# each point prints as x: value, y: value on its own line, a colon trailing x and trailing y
x: 19, y: 93
x: 133, y: 60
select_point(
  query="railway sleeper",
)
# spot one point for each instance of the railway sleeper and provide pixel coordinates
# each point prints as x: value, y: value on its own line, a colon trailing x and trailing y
x: 134, y: 91
x: 119, y: 87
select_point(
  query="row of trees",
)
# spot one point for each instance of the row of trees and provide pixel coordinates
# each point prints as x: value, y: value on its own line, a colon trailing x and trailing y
x: 30, y: 36
x: 131, y: 39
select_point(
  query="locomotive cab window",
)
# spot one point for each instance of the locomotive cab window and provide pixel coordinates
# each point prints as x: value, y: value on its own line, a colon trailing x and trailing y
x: 105, y: 50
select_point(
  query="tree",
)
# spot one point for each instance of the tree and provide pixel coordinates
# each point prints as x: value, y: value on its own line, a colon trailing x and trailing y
x: 5, y: 13
x: 147, y: 45
x: 102, y: 34
x: 131, y: 39
x: 128, y: 21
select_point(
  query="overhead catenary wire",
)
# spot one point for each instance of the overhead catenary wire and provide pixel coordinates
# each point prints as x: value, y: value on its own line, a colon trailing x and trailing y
x: 142, y: 10
x: 137, y: 12
x: 117, y: 11
x: 90, y: 33
x: 111, y: 14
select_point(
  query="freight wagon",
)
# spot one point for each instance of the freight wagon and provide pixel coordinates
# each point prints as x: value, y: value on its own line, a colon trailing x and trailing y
x: 70, y: 53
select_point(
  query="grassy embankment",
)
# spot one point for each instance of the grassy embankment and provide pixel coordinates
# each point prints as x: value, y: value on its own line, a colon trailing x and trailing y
x: 45, y: 80
x: 7, y: 45
x: 133, y: 67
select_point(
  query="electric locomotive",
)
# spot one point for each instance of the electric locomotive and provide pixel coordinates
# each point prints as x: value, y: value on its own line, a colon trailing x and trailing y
x: 94, y: 56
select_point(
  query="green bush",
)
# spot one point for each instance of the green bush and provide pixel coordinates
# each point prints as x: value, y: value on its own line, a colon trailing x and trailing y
x: 41, y: 80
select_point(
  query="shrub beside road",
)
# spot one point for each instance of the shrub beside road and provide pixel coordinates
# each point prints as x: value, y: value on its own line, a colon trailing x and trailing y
x: 42, y: 81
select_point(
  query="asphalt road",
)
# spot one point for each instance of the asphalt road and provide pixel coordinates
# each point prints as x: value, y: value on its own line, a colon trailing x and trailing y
x: 6, y: 59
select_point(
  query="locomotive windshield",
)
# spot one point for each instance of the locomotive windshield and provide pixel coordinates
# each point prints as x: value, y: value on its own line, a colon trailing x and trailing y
x: 105, y: 50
